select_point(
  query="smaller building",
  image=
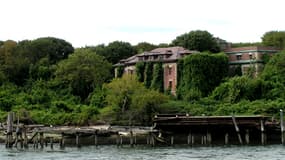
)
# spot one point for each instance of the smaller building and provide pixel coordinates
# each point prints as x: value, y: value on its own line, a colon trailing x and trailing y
x: 168, y: 56
x: 249, y: 59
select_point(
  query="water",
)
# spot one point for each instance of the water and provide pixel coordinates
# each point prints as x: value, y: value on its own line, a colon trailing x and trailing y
x: 271, y: 152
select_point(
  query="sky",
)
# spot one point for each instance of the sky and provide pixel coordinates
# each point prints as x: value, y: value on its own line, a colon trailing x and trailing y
x: 93, y: 22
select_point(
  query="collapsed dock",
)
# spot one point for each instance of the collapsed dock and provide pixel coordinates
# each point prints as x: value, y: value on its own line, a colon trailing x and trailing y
x: 218, y: 129
x: 167, y: 129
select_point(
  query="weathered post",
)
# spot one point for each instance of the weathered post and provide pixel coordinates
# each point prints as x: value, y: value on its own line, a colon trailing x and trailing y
x: 42, y: 140
x: 209, y: 138
x: 135, y: 139
x: 189, y: 138
x: 118, y: 140
x: 282, y: 126
x: 77, y: 139
x: 131, y: 139
x: 237, y: 129
x: 263, y: 135
x: 247, y: 136
x: 152, y: 140
x: 226, y: 139
x: 172, y: 140
x: 95, y: 138
x: 62, y: 145
x: 25, y: 137
x: 18, y: 132
x: 51, y: 142
x: 193, y: 139
x: 9, y: 137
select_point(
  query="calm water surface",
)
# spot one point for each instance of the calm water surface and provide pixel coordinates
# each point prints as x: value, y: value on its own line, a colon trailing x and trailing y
x: 271, y: 152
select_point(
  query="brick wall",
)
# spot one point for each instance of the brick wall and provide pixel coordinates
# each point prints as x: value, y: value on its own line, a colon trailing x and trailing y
x: 170, y: 76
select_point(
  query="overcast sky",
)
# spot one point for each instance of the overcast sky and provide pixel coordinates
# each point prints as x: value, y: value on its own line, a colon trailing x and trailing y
x: 92, y: 22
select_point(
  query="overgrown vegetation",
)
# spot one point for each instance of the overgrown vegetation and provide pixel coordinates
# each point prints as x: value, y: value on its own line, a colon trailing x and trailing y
x: 200, y: 74
x: 47, y: 81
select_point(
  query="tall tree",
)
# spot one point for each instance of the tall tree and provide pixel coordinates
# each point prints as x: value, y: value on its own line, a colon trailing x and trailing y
x: 197, y: 40
x: 144, y: 46
x: 274, y: 38
x: 115, y: 51
x: 129, y: 100
x: 83, y: 71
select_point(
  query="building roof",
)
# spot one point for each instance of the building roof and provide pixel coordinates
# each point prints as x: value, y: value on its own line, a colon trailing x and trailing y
x: 167, y: 54
x: 251, y: 48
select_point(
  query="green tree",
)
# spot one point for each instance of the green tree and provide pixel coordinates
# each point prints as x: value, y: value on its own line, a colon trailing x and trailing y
x: 144, y: 46
x: 274, y: 38
x: 115, y: 51
x: 197, y: 40
x: 83, y: 71
x: 128, y: 100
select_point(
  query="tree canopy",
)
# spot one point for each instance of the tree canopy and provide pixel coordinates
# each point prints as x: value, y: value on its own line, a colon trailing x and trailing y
x: 274, y: 39
x: 197, y: 40
x: 114, y: 51
x: 144, y: 46
x: 83, y: 71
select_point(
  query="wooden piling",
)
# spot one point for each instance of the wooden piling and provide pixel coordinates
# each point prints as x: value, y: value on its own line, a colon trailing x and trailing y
x: 9, y: 137
x: 51, y: 142
x: 193, y: 139
x: 42, y: 140
x: 237, y: 129
x: 25, y: 137
x: 135, y: 139
x: 118, y: 140
x: 226, y: 139
x: 263, y: 135
x: 209, y: 138
x: 282, y: 127
x: 95, y: 138
x: 247, y: 136
x: 77, y: 140
x: 131, y: 139
x: 121, y: 140
x: 189, y: 138
x: 61, y: 141
x: 172, y: 140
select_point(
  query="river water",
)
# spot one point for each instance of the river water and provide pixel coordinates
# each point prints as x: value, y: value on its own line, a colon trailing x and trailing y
x: 110, y: 152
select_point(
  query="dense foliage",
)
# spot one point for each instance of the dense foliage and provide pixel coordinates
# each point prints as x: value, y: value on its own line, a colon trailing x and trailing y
x: 197, y: 40
x: 200, y: 74
x: 128, y: 100
x: 83, y: 71
x: 47, y: 81
x: 115, y: 51
x: 274, y: 39
x: 157, y: 78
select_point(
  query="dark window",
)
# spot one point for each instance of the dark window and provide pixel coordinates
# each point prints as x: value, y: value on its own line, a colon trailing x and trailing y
x: 169, y: 70
x: 170, y: 84
x: 155, y: 57
x: 250, y: 56
x: 238, y: 57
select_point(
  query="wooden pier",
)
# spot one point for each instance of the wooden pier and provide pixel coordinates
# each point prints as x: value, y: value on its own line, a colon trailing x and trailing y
x: 40, y: 136
x: 166, y: 130
x: 207, y: 130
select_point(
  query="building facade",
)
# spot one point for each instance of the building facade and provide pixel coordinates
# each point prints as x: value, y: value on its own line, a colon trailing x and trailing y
x: 168, y: 56
x: 249, y: 59
x: 245, y: 58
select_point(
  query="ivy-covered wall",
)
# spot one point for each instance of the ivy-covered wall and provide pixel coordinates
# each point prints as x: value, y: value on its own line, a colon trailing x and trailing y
x: 199, y: 74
